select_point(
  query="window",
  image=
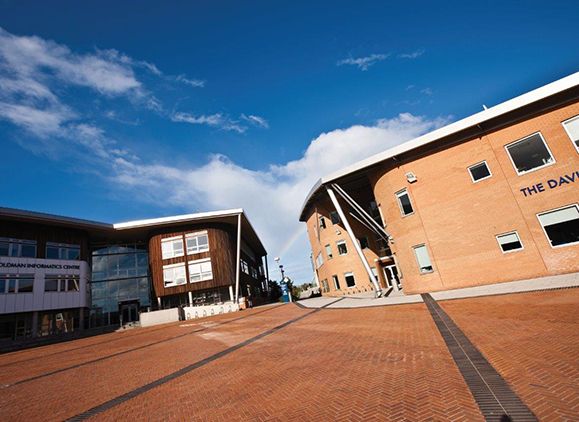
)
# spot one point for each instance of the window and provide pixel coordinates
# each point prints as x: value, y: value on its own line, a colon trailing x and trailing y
x: 172, y: 247
x: 479, y: 172
x: 342, y: 249
x: 404, y: 202
x: 61, y: 283
x: 561, y: 226
x: 375, y: 272
x: 200, y: 271
x: 62, y: 251
x: 423, y: 259
x: 325, y: 287
x: 174, y: 275
x: 336, y: 282
x: 322, y: 222
x: 350, y: 281
x: 17, y: 248
x: 572, y: 128
x: 530, y: 153
x: 319, y: 260
x: 16, y: 283
x: 329, y: 252
x: 335, y: 217
x: 244, y: 267
x: 253, y: 272
x: 197, y: 242
x: 363, y: 242
x: 509, y: 242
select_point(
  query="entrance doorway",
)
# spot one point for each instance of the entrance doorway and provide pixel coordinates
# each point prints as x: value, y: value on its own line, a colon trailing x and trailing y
x: 129, y: 312
x: 391, y: 276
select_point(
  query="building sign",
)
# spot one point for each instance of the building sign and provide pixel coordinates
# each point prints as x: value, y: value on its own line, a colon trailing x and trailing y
x: 550, y: 184
x: 40, y: 266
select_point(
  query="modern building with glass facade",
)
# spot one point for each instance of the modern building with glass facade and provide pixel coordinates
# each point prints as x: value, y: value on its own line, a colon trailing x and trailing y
x: 61, y: 274
x: 490, y: 198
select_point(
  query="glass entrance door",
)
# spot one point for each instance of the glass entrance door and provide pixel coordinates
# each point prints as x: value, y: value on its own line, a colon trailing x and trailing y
x: 129, y: 312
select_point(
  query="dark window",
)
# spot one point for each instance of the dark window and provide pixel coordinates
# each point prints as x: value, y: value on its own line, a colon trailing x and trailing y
x: 509, y: 242
x: 363, y: 242
x: 530, y: 153
x: 25, y: 285
x: 561, y: 226
x: 479, y: 171
x: 12, y: 286
x: 2, y: 286
x: 404, y: 202
x: 51, y: 285
x: 322, y: 222
x: 342, y: 249
x: 336, y: 282
x: 335, y: 217
x: 350, y: 281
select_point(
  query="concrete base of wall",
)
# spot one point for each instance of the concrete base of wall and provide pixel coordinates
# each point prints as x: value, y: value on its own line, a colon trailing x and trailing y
x: 159, y: 317
x: 194, y: 312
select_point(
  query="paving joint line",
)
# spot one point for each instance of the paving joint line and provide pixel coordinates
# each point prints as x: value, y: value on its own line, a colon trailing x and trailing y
x: 79, y: 365
x: 170, y: 377
x: 507, y: 405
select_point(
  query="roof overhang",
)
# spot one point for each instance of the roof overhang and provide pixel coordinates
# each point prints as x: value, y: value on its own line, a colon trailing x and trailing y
x: 440, y: 134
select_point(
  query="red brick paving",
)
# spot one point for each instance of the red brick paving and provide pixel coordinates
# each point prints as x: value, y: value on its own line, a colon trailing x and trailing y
x: 532, y: 340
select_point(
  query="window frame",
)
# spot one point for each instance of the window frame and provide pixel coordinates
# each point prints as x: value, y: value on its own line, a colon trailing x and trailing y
x: 346, y: 274
x: 62, y: 247
x: 329, y: 252
x: 319, y: 260
x: 524, y: 139
x: 569, y: 134
x: 171, y: 240
x: 418, y: 262
x: 398, y: 195
x: 515, y: 232
x: 478, y: 164
x: 199, y: 262
x: 17, y: 244
x: 576, y: 205
x: 15, y: 278
x: 195, y: 236
x: 173, y: 267
x: 341, y: 242
x: 336, y: 281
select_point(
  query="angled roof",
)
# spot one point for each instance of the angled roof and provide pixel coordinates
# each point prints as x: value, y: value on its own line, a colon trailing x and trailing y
x: 501, y: 109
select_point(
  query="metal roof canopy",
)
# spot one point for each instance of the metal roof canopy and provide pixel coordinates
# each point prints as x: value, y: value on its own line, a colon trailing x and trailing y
x: 139, y: 228
x: 499, y: 115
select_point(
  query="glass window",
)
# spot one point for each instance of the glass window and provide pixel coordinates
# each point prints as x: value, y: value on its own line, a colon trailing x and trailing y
x: 197, y: 242
x: 329, y: 252
x: 363, y: 242
x: 404, y: 202
x: 25, y: 285
x: 509, y: 242
x: 3, y: 283
x: 72, y: 285
x: 530, y: 153
x: 325, y: 287
x: 319, y: 260
x: 423, y: 259
x: 350, y: 280
x: 18, y: 248
x: 62, y: 251
x: 479, y: 172
x: 200, y: 271
x: 561, y: 226
x: 322, y: 222
x: 335, y: 217
x: 51, y: 285
x: 572, y: 128
x: 4, y: 247
x: 172, y: 247
x: 12, y: 285
x: 336, y: 282
x: 244, y: 267
x: 174, y: 275
x: 342, y: 249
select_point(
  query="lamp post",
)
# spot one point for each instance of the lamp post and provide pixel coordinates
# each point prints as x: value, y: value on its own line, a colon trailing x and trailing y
x: 284, y: 279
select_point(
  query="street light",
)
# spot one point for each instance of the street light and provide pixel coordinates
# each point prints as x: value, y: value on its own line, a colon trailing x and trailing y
x: 284, y: 279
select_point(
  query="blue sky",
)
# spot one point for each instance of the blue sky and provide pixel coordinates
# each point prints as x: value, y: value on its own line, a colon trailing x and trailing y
x: 112, y: 111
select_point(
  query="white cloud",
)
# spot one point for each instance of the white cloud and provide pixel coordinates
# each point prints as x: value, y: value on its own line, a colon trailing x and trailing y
x: 256, y: 120
x: 363, y: 63
x: 39, y: 122
x: 195, y: 83
x: 426, y: 91
x: 412, y: 55
x: 217, y: 120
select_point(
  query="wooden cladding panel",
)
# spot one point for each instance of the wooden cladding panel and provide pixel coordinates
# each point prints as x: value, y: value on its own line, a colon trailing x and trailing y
x: 221, y: 252
x: 43, y: 234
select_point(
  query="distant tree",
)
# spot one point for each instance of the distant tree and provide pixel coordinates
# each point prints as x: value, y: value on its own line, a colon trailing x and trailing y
x: 274, y: 290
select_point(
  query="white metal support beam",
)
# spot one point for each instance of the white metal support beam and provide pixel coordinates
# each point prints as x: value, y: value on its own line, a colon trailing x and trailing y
x: 266, y: 274
x: 354, y: 241
x: 238, y: 260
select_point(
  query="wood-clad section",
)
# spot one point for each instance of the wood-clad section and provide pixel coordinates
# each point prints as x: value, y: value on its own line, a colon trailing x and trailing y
x: 222, y: 251
x: 43, y: 234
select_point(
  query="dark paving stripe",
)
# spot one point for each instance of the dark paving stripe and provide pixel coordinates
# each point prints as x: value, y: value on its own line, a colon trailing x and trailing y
x: 147, y: 387
x: 134, y: 349
x: 492, y: 394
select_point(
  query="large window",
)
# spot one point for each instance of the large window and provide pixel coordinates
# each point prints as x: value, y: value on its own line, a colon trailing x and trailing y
x: 423, y: 259
x: 479, y: 172
x: 17, y: 248
x: 244, y: 266
x: 562, y: 225
x: 509, y: 242
x: 200, y: 270
x: 197, y: 242
x: 350, y: 280
x: 404, y: 202
x: 342, y: 248
x: 336, y: 282
x: 172, y: 247
x: 16, y: 283
x: 319, y: 260
x: 174, y: 275
x: 62, y: 251
x: 329, y: 252
x: 530, y: 153
x: 572, y: 128
x: 62, y: 283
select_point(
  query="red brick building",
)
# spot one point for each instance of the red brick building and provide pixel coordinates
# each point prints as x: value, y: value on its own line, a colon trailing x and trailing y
x: 491, y: 198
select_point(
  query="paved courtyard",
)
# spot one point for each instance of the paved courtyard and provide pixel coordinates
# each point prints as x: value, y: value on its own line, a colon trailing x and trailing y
x: 284, y: 362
